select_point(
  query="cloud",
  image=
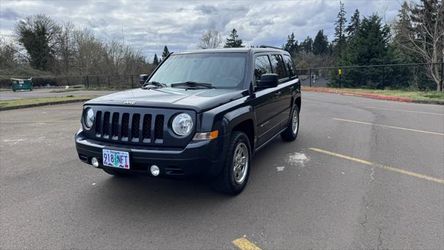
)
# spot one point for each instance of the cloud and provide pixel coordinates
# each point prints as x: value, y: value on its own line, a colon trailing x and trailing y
x: 8, y: 14
x: 149, y: 25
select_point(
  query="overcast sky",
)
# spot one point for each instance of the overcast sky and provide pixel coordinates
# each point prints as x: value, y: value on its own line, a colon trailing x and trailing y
x: 149, y: 25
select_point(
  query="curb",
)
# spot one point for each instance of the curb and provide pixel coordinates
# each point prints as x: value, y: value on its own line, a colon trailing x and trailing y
x: 44, y: 104
x: 374, y: 96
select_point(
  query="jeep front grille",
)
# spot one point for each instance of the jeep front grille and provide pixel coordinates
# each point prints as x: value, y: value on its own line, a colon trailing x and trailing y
x: 136, y: 126
x: 129, y: 127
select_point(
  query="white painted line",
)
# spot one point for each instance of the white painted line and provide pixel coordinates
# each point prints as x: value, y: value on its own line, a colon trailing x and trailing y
x: 389, y: 126
x: 409, y: 111
x: 372, y: 164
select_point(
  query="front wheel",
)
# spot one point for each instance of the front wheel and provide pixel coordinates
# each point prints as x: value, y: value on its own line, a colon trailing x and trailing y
x: 291, y: 132
x: 234, y: 176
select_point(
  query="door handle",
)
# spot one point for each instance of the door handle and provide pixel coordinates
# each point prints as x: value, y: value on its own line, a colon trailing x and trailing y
x: 278, y: 93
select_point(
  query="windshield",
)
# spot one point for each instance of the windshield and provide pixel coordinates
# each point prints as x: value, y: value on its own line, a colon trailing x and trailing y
x: 221, y: 70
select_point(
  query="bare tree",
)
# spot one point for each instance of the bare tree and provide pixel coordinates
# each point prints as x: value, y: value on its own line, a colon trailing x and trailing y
x: 210, y: 39
x: 423, y: 34
x: 64, y: 49
x: 7, y: 55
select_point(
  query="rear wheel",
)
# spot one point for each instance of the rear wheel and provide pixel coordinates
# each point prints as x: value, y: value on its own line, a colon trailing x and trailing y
x: 291, y: 132
x: 115, y: 172
x: 234, y: 176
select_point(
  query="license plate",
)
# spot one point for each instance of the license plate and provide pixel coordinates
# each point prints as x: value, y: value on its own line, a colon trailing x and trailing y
x: 116, y: 159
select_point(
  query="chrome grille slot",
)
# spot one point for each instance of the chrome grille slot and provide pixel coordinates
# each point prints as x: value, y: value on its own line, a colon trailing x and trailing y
x: 98, y: 124
x: 115, y: 126
x: 105, y: 128
x: 146, y: 129
x: 135, y: 127
x: 158, y: 129
x: 124, y: 131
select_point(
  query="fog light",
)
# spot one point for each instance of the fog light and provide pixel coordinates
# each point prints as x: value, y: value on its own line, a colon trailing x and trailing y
x: 95, y: 162
x: 155, y: 171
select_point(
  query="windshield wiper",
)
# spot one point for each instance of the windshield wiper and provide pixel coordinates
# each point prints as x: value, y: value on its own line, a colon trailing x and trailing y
x: 153, y: 84
x: 192, y: 85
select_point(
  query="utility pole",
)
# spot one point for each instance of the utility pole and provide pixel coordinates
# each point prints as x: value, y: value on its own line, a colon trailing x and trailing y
x: 310, y: 77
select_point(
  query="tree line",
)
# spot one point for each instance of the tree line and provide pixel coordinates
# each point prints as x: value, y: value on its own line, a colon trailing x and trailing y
x: 62, y: 49
x: 416, y: 37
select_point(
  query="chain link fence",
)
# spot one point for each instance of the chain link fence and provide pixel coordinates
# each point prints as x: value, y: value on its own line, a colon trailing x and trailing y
x: 88, y: 81
x: 393, y: 76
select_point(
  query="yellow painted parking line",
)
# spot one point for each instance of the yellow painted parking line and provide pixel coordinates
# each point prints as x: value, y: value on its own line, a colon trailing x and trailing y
x: 389, y: 126
x: 244, y: 244
x: 368, y: 163
x: 408, y: 111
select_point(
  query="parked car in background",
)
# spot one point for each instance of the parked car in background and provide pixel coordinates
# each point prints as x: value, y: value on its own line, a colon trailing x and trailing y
x: 21, y: 84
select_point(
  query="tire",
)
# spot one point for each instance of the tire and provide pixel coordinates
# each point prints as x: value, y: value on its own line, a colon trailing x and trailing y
x: 230, y: 181
x: 115, y: 172
x: 291, y: 132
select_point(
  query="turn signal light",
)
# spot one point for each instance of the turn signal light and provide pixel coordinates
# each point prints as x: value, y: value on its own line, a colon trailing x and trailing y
x: 206, y: 136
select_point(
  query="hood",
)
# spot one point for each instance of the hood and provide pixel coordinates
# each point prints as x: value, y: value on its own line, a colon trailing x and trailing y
x: 198, y: 100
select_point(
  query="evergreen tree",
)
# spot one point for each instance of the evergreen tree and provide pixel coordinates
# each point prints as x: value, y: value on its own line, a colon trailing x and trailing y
x: 353, y: 27
x: 320, y: 44
x: 402, y: 30
x: 156, y: 60
x: 370, y: 47
x: 291, y: 46
x: 233, y: 41
x: 165, y: 52
x: 307, y: 45
x: 340, y: 40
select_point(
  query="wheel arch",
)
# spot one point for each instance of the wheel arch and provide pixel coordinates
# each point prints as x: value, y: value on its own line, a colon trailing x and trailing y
x: 242, y: 119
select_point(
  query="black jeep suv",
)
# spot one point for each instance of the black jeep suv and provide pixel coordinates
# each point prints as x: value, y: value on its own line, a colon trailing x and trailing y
x: 200, y: 112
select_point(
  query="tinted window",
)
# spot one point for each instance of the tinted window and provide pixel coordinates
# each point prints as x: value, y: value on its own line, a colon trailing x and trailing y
x: 289, y: 65
x: 278, y: 66
x: 262, y: 66
x: 222, y: 70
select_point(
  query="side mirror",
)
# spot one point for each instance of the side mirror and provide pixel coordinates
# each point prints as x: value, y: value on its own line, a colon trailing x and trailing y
x: 268, y: 81
x: 142, y: 78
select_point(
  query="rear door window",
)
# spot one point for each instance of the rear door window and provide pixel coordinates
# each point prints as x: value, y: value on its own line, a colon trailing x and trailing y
x: 261, y: 66
x: 278, y: 66
x: 289, y: 66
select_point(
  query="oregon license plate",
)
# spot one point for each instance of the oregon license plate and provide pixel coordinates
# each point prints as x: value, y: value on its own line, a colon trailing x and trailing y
x: 116, y: 159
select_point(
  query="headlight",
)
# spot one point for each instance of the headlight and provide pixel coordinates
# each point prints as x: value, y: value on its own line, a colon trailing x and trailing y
x: 88, y: 118
x: 182, y: 124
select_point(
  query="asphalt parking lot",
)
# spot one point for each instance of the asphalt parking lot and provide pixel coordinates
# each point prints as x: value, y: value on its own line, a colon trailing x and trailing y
x: 48, y: 92
x: 363, y: 174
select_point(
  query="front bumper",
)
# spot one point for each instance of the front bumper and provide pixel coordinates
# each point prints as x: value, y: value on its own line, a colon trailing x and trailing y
x: 197, y: 158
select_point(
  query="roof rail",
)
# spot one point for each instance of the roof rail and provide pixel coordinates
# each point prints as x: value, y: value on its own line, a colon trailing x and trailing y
x: 270, y: 47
